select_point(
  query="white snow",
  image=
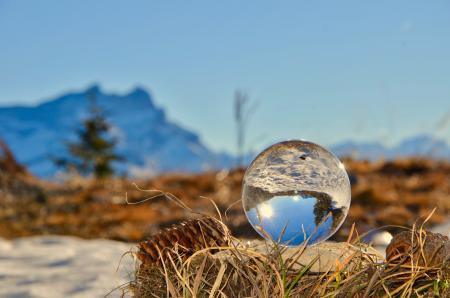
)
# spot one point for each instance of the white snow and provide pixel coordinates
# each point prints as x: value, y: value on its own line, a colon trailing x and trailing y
x: 443, y: 229
x: 60, y: 266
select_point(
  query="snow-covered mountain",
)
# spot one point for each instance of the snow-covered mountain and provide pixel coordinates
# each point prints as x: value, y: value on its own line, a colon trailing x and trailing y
x: 146, y: 138
x: 419, y: 146
x: 149, y: 141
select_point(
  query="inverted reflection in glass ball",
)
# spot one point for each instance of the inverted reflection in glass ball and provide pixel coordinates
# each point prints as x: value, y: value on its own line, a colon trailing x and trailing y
x: 296, y: 191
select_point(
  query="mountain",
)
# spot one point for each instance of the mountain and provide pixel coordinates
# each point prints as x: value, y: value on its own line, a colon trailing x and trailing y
x: 417, y: 146
x: 146, y: 138
x: 149, y: 141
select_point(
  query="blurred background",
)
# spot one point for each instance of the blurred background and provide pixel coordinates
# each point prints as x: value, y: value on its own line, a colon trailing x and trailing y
x: 180, y: 96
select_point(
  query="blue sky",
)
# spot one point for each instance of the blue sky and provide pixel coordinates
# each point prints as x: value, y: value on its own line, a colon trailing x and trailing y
x: 321, y: 70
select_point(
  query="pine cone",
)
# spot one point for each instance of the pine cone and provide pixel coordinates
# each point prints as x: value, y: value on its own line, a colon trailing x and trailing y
x: 435, y: 250
x: 183, y: 239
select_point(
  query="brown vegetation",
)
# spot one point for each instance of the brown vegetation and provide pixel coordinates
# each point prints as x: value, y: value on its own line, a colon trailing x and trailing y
x: 15, y: 182
x: 383, y: 193
x: 8, y: 162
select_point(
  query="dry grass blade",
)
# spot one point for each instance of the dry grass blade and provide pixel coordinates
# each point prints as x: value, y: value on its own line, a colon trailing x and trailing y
x: 296, y: 279
x: 198, y: 277
x: 218, y: 280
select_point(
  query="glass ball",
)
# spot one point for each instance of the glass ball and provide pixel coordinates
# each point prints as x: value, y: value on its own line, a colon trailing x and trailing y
x: 296, y: 191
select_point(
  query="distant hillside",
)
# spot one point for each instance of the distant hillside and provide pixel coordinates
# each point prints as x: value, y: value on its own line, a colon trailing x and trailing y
x: 149, y: 141
x: 416, y: 146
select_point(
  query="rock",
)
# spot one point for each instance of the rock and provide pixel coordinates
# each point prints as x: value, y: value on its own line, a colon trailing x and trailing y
x: 378, y: 239
x: 330, y: 255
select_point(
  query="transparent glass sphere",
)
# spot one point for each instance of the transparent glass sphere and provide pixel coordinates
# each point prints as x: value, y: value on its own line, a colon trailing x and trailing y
x: 296, y: 191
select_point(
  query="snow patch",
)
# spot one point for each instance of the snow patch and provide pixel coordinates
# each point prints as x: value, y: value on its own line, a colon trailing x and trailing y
x: 60, y: 266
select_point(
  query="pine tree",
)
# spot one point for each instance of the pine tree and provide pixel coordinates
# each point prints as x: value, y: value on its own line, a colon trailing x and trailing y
x: 94, y: 152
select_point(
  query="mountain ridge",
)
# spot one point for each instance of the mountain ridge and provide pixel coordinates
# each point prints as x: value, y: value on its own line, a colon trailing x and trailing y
x: 150, y: 142
x: 421, y: 145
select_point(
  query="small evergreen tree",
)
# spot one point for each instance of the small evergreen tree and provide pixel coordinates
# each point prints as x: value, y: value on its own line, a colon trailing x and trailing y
x: 93, y: 153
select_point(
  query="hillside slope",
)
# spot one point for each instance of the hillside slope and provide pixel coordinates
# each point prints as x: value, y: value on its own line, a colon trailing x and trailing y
x: 150, y: 142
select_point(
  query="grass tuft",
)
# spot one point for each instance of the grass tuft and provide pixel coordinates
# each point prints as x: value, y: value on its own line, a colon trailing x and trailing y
x: 271, y: 270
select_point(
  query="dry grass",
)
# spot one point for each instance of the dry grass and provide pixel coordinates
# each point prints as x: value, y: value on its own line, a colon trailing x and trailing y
x: 240, y: 271
x: 417, y: 266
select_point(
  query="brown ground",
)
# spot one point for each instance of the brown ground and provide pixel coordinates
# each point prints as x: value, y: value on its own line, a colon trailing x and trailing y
x: 384, y: 193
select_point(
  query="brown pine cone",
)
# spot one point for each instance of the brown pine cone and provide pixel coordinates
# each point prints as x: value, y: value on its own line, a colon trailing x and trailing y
x: 183, y: 239
x: 435, y: 251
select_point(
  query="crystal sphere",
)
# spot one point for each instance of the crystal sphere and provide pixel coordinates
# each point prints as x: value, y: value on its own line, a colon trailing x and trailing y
x: 296, y: 191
